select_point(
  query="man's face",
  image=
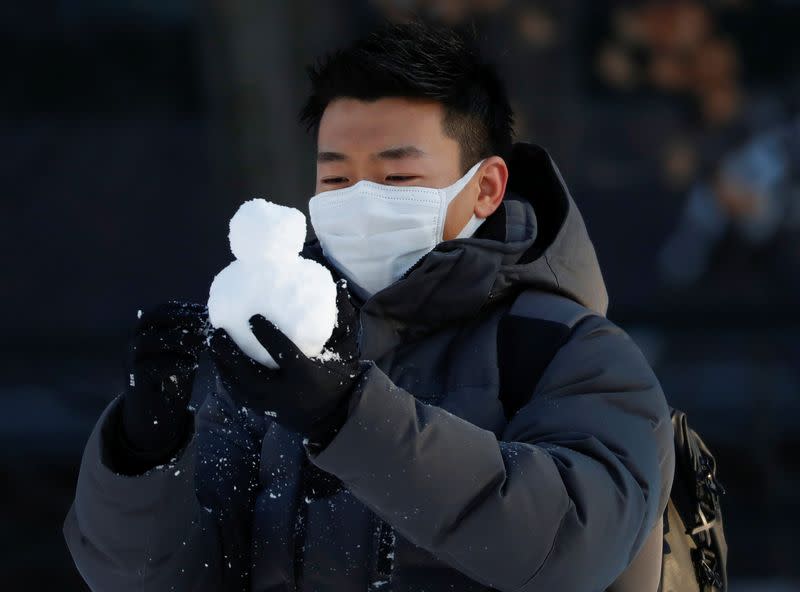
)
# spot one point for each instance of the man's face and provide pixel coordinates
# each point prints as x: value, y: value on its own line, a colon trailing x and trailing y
x: 392, y: 141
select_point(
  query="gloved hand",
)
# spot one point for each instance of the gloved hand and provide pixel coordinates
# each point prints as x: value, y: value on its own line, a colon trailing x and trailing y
x: 309, y: 396
x: 162, y: 363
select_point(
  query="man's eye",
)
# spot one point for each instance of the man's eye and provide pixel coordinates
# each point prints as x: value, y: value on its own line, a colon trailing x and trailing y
x: 400, y: 178
x: 334, y: 180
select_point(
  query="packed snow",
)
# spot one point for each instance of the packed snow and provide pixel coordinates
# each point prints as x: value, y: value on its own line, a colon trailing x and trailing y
x: 269, y: 277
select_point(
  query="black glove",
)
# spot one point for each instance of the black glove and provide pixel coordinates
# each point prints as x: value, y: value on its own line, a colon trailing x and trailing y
x: 306, y: 395
x: 162, y: 363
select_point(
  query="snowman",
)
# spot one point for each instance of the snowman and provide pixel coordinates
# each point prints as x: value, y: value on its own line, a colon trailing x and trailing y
x: 269, y: 277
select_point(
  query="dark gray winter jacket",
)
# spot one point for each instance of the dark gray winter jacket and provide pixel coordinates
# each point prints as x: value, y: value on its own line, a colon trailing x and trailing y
x: 427, y: 486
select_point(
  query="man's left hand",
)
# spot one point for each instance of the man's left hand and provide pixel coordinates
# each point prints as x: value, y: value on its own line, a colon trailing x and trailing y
x: 306, y: 395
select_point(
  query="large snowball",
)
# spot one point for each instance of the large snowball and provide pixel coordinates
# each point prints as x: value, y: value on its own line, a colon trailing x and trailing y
x: 298, y: 295
x: 261, y: 230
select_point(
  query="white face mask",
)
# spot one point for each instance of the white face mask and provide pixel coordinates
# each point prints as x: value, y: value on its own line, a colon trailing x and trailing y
x: 374, y: 233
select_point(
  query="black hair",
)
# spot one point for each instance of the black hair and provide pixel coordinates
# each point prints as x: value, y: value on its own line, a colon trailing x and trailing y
x: 420, y: 60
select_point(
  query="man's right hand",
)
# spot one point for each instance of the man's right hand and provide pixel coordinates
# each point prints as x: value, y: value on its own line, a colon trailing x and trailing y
x: 162, y: 363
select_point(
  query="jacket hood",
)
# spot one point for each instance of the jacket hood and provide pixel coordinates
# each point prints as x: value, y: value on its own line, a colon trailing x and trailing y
x: 535, y: 239
x: 562, y: 258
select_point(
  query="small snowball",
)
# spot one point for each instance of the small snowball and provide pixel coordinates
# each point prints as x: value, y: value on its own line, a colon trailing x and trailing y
x: 264, y: 230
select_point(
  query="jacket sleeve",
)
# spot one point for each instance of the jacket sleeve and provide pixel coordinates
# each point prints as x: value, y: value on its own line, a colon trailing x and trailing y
x: 563, y: 501
x: 158, y: 530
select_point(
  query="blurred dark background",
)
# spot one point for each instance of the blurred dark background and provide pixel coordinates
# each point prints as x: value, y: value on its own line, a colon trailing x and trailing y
x: 131, y: 131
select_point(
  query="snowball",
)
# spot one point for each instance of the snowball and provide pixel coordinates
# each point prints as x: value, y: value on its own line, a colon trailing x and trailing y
x: 262, y: 230
x: 298, y: 295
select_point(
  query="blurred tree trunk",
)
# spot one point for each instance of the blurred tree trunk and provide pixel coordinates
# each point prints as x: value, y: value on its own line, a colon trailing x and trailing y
x: 253, y: 81
x: 255, y: 53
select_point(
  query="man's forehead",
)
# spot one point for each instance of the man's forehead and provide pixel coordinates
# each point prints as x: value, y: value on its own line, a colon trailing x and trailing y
x: 406, y: 151
x: 378, y: 125
x: 377, y: 108
x: 386, y: 130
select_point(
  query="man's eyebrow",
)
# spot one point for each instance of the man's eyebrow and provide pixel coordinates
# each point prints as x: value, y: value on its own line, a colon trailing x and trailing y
x: 401, y: 152
x: 331, y: 157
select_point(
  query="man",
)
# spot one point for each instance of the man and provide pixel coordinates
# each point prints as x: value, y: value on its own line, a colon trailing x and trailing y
x: 390, y: 462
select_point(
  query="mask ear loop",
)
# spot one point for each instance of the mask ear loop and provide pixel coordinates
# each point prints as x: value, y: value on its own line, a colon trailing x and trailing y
x: 471, y: 226
x: 450, y: 192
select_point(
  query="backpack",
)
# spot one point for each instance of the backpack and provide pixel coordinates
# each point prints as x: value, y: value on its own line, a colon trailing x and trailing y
x: 695, y: 552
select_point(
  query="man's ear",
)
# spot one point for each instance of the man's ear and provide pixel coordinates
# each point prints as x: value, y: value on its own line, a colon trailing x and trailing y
x: 492, y: 181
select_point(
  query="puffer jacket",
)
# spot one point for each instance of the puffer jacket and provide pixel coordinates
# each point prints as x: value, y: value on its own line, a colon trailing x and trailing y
x: 428, y: 486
